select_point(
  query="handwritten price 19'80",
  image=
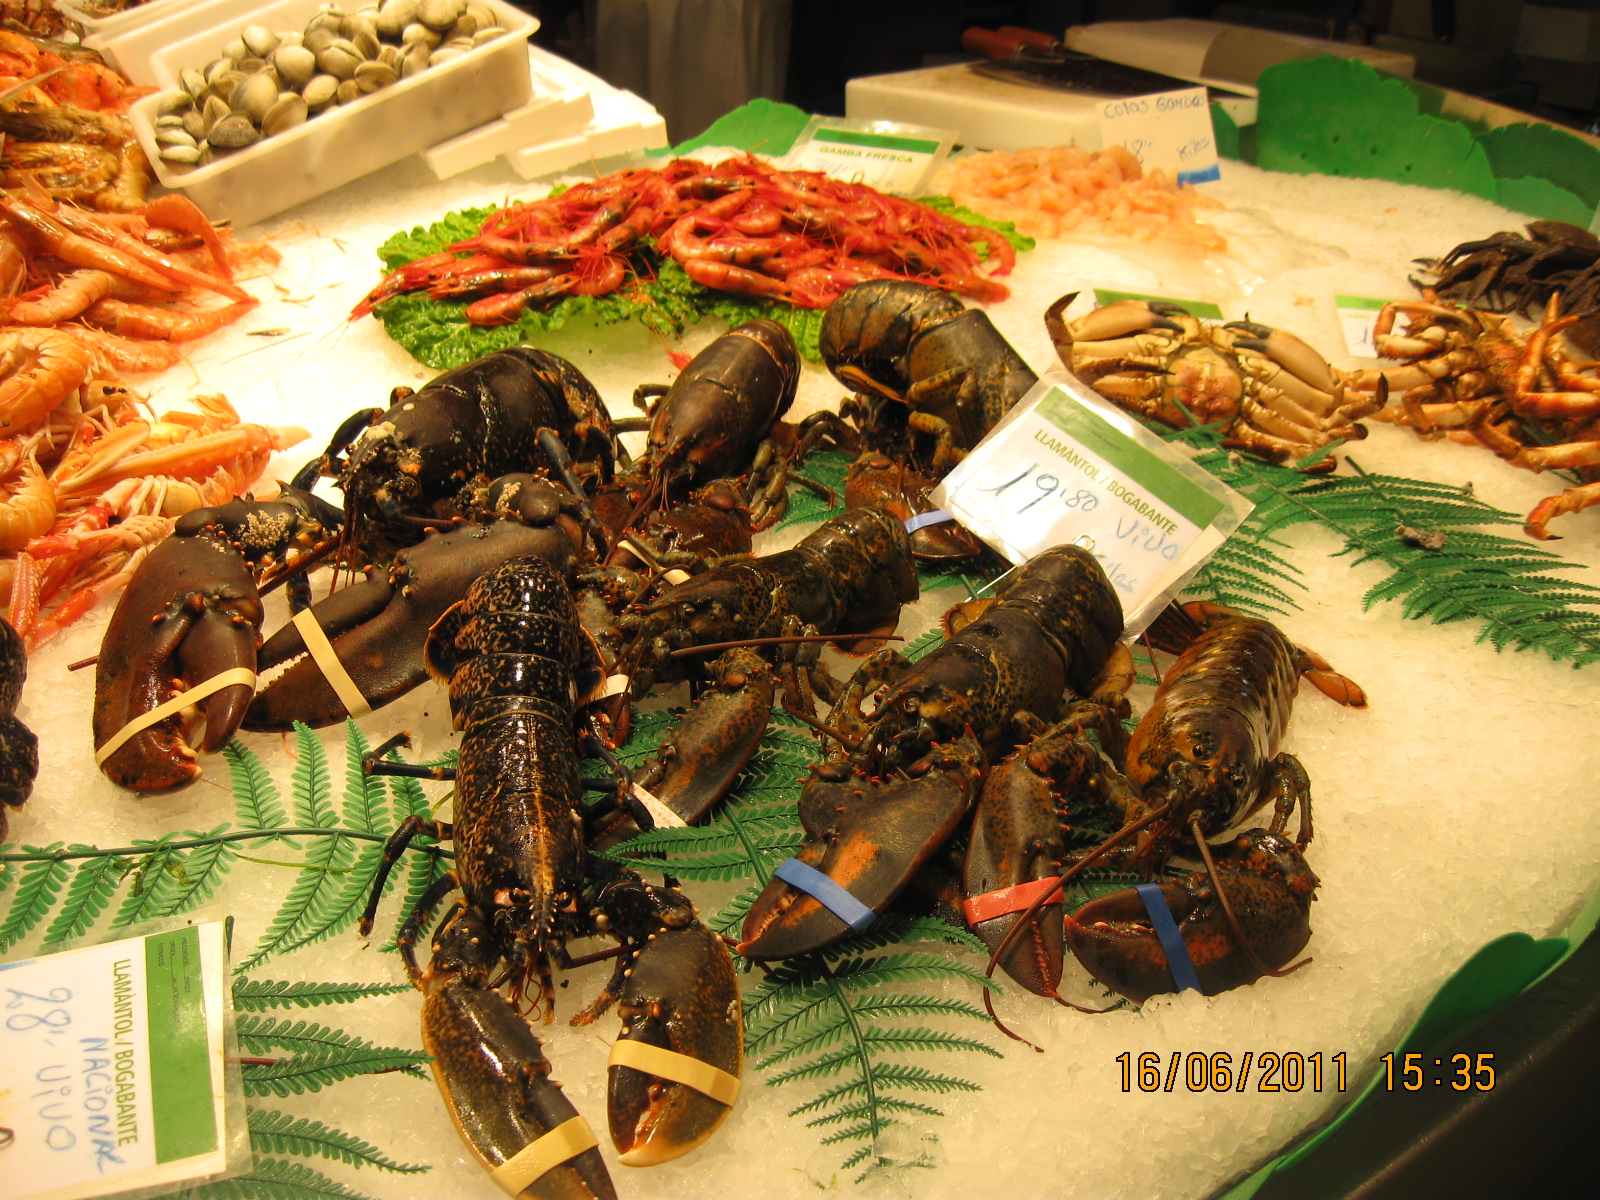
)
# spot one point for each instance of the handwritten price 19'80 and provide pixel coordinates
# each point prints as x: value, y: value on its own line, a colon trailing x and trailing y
x: 1048, y: 485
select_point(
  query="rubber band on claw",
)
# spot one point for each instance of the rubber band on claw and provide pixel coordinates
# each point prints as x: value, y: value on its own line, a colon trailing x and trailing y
x: 1178, y: 960
x: 934, y: 516
x: 826, y: 892
x: 1016, y: 898
x: 679, y: 1068
x: 566, y: 1141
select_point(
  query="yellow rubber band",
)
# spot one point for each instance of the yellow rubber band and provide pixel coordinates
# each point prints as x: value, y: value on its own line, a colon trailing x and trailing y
x: 177, y: 704
x: 680, y: 1068
x: 675, y: 577
x: 567, y: 1140
x: 614, y: 685
x: 665, y: 818
x: 321, y: 651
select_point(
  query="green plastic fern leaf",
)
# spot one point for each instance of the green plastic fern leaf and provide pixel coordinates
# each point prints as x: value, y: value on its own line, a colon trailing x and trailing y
x: 93, y: 885
x: 256, y: 804
x: 258, y: 995
x: 279, y: 1133
x: 315, y: 1070
x: 275, y: 1179
x: 38, y: 885
x: 314, y: 897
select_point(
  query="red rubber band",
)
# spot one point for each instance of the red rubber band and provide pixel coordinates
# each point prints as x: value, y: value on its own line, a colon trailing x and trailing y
x: 1011, y: 899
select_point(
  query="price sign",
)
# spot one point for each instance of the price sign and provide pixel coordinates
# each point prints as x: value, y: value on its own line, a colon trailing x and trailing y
x: 111, y: 1067
x: 1357, y: 316
x: 1067, y: 467
x: 1169, y: 130
x: 888, y: 155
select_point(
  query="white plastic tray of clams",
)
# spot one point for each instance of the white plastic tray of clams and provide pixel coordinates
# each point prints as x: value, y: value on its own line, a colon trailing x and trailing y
x: 388, y: 105
x: 1460, y: 806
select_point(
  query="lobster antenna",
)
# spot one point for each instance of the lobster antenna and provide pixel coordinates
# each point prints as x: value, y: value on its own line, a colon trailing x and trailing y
x: 1227, y: 906
x: 785, y: 640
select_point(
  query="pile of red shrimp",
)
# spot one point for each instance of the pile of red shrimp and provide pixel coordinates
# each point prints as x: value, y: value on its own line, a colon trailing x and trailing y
x: 1060, y: 190
x: 83, y: 79
x: 742, y: 226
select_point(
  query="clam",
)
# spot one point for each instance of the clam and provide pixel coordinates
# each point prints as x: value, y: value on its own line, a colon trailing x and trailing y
x: 236, y: 50
x: 394, y: 16
x: 349, y: 90
x: 233, y: 132
x: 254, y: 97
x: 374, y: 75
x: 367, y: 42
x: 289, y: 111
x: 195, y: 124
x: 175, y: 137
x: 216, y: 108
x: 193, y: 82
x: 318, y: 40
x: 183, y: 156
x: 416, y: 61
x: 439, y: 15
x: 413, y: 34
x: 295, y: 64
x: 176, y: 102
x: 260, y: 40
x: 320, y: 92
x: 487, y: 34
x: 340, y: 59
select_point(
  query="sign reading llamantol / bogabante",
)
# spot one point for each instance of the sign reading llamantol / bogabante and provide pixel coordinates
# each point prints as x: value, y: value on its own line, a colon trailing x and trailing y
x: 111, y: 1066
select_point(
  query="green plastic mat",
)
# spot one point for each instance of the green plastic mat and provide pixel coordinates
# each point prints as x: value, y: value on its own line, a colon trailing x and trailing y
x: 1337, y: 116
x: 1499, y: 972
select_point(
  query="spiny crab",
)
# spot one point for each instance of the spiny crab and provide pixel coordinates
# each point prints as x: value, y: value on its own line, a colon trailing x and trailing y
x: 1471, y: 376
x: 1275, y: 396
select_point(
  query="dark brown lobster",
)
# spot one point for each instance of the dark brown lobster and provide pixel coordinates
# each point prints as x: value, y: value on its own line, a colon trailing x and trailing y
x: 518, y: 665
x: 19, y: 748
x: 1203, y: 759
x: 1049, y: 635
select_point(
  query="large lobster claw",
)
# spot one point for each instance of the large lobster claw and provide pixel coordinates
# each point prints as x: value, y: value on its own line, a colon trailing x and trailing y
x: 496, y: 1080
x: 191, y: 613
x: 676, y: 1064
x: 376, y: 628
x: 1270, y: 887
x: 869, y: 836
x: 189, y: 618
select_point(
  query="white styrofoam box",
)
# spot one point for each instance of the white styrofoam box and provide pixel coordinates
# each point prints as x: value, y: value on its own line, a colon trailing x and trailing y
x: 347, y: 142
x: 991, y: 114
x: 131, y: 47
x: 96, y: 27
x: 622, y: 123
x: 562, y: 106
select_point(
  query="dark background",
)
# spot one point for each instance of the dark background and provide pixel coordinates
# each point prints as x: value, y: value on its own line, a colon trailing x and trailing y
x: 1471, y: 46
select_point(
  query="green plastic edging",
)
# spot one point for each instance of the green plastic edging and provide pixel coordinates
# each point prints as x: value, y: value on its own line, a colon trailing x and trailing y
x: 1500, y: 971
x: 761, y: 125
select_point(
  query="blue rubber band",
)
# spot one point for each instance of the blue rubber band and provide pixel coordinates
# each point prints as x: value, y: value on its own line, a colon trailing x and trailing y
x: 826, y: 892
x: 1178, y: 960
x: 934, y: 516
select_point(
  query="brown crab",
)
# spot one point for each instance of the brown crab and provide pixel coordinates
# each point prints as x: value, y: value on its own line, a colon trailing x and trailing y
x: 1274, y: 395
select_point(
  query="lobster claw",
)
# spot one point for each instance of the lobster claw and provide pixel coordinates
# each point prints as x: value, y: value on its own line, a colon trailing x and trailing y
x: 707, y: 747
x: 190, y: 614
x: 869, y: 836
x: 376, y: 628
x: 1270, y: 887
x: 675, y: 1066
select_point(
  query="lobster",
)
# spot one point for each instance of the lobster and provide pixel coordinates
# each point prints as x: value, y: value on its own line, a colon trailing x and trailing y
x: 711, y: 424
x: 517, y: 665
x: 1203, y: 758
x: 921, y: 362
x: 19, y: 747
x: 1053, y: 627
x: 852, y: 573
x: 426, y: 463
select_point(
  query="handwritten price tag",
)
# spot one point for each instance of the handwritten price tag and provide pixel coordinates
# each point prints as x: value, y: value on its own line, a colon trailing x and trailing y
x: 1064, y: 466
x: 111, y: 1067
x: 1169, y: 130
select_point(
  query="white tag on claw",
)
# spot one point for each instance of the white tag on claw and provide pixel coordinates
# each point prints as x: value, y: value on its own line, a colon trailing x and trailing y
x: 663, y: 816
x: 614, y: 685
x: 675, y: 577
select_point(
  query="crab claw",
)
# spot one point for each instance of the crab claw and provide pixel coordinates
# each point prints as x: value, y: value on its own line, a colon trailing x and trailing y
x: 190, y: 614
x: 1270, y: 888
x: 869, y: 837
